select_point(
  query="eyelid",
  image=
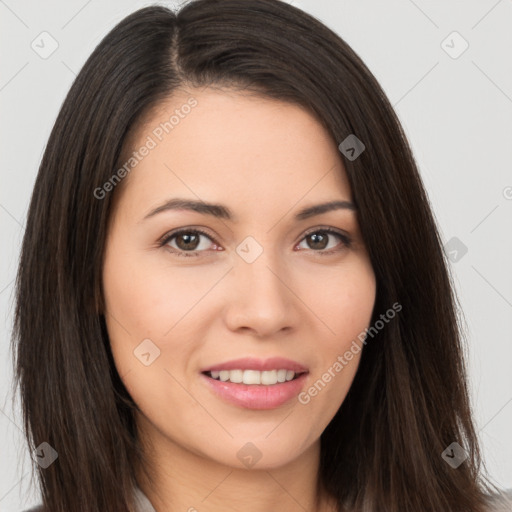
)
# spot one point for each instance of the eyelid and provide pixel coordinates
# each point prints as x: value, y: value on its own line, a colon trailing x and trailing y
x: 343, y: 236
x: 346, y: 239
x: 164, y: 240
x: 328, y: 229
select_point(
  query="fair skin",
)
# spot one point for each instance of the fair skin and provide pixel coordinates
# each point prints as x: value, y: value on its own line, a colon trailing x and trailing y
x: 265, y: 160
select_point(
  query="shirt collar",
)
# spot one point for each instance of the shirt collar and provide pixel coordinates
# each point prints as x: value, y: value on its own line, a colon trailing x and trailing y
x: 142, y: 502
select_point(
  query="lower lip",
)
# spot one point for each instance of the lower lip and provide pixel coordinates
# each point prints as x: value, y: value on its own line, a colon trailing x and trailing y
x: 256, y: 396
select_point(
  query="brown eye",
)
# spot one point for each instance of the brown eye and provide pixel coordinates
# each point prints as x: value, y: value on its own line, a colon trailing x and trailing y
x: 187, y: 241
x: 320, y: 240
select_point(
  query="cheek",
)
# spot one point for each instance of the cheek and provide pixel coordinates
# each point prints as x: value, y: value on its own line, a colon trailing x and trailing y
x: 149, y: 296
x: 345, y: 307
x: 134, y: 295
x: 343, y: 301
x: 142, y: 306
x: 150, y: 310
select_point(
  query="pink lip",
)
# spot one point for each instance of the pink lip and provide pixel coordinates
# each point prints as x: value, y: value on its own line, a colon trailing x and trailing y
x: 256, y: 396
x: 250, y: 363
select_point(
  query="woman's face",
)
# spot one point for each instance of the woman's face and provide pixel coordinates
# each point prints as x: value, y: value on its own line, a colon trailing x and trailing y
x: 261, y: 283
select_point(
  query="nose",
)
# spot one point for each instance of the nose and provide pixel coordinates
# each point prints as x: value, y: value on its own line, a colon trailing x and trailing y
x: 260, y: 298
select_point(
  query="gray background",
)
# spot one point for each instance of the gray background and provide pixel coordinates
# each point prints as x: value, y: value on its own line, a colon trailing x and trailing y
x: 457, y: 113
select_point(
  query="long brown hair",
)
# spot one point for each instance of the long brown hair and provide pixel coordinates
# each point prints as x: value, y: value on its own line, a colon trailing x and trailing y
x: 409, y: 400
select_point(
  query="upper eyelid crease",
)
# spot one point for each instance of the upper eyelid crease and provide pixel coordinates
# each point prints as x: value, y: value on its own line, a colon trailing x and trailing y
x: 345, y: 238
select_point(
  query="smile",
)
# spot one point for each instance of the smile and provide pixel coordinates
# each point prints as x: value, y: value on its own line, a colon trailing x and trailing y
x: 252, y: 377
x: 255, y: 396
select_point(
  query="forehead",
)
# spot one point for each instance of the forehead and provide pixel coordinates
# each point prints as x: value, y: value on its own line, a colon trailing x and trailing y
x: 235, y: 148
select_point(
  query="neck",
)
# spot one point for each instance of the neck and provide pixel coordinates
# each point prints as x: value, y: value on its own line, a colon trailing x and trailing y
x: 182, y: 479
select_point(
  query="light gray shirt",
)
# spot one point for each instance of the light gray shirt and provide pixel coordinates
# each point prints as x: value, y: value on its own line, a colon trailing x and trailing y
x: 142, y: 503
x: 496, y: 503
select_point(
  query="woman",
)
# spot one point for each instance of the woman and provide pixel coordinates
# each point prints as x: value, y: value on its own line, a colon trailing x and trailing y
x: 232, y: 291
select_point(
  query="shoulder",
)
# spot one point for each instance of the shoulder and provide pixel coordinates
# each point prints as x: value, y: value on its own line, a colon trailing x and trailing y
x: 496, y: 502
x: 141, y: 501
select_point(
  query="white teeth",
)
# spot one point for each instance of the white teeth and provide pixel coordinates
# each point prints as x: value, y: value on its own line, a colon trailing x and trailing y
x: 281, y: 375
x: 267, y: 377
x: 252, y: 377
x: 236, y: 376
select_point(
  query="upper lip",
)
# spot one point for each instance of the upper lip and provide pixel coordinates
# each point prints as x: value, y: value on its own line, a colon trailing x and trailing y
x: 251, y: 363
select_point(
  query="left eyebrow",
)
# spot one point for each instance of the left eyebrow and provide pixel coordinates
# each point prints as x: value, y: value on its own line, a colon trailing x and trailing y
x: 223, y: 212
x: 318, y: 209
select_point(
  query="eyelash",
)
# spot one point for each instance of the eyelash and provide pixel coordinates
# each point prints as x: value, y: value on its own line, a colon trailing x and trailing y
x: 346, y: 241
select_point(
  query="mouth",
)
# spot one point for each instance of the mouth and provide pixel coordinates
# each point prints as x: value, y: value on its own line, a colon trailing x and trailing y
x: 254, y: 377
x: 253, y: 389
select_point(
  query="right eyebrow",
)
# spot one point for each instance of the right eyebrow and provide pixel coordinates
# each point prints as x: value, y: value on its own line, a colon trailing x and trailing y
x: 216, y: 210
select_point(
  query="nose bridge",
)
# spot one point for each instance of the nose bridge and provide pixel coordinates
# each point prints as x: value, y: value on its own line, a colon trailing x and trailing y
x: 261, y: 271
x: 261, y: 299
